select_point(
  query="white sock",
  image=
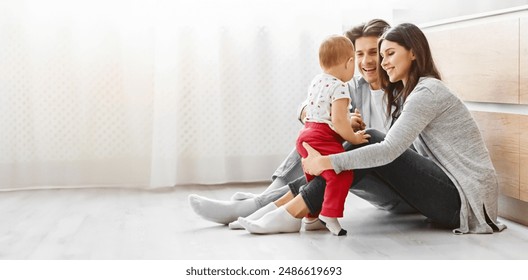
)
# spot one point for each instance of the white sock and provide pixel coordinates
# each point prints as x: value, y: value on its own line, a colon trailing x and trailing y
x: 313, y: 224
x: 221, y: 211
x: 333, y: 225
x: 255, y: 216
x: 234, y: 225
x: 276, y: 221
x: 276, y: 184
x: 242, y: 196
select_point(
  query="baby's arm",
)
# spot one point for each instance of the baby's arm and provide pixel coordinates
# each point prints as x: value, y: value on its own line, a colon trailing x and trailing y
x: 341, y: 123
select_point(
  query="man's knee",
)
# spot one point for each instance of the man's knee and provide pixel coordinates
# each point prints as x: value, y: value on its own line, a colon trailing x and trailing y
x: 376, y: 136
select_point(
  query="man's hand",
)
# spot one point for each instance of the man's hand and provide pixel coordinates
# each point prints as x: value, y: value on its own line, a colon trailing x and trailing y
x: 356, y: 122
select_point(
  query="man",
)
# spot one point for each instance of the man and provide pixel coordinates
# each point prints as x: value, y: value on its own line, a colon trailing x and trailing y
x: 367, y: 99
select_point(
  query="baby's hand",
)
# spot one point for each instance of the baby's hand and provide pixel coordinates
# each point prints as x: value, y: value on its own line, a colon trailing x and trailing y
x: 361, y: 137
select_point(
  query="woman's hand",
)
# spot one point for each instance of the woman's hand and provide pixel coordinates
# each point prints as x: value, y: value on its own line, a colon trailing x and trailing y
x: 315, y: 163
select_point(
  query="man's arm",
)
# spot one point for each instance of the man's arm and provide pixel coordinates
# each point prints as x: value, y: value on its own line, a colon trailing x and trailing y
x: 301, y: 113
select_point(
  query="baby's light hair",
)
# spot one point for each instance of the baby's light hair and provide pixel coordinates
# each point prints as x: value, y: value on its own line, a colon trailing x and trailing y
x: 335, y: 50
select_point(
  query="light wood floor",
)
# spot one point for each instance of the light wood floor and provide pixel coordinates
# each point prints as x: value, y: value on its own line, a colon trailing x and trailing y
x: 139, y: 224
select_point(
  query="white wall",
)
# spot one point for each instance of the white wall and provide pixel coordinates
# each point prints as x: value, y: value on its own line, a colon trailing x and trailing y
x: 418, y: 12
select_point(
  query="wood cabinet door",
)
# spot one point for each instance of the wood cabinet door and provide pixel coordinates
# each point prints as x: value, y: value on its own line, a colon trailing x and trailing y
x: 479, y: 61
x: 501, y: 134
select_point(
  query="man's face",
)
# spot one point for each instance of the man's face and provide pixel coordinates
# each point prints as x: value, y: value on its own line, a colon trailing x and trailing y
x: 367, y: 59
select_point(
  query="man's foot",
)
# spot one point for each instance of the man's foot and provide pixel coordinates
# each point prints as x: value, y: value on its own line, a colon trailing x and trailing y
x: 221, y: 211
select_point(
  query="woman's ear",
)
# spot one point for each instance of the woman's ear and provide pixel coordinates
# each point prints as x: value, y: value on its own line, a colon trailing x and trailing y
x: 413, y: 57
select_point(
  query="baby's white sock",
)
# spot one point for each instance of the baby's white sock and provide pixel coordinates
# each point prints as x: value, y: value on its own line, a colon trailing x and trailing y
x: 333, y: 225
x: 313, y: 224
x: 255, y: 216
x: 276, y: 221
x: 221, y: 211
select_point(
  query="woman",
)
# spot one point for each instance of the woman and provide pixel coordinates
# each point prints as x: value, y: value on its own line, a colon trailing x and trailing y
x: 449, y: 178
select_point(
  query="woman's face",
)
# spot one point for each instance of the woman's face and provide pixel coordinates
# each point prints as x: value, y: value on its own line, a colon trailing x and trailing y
x: 367, y: 59
x: 396, y: 61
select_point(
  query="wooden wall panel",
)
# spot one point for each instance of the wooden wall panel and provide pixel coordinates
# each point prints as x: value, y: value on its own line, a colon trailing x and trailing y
x: 479, y: 62
x: 524, y: 158
x: 524, y: 60
x: 501, y: 134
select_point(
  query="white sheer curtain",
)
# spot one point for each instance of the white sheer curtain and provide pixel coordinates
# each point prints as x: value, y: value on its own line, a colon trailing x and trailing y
x: 152, y: 93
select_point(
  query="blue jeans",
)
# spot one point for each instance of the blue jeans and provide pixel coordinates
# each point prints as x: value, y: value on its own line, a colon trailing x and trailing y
x: 416, y: 179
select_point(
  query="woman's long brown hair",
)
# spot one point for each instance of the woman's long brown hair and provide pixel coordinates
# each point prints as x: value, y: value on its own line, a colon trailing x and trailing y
x: 413, y: 39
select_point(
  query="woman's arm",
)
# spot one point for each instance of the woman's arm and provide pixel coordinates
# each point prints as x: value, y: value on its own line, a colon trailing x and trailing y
x: 420, y: 109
